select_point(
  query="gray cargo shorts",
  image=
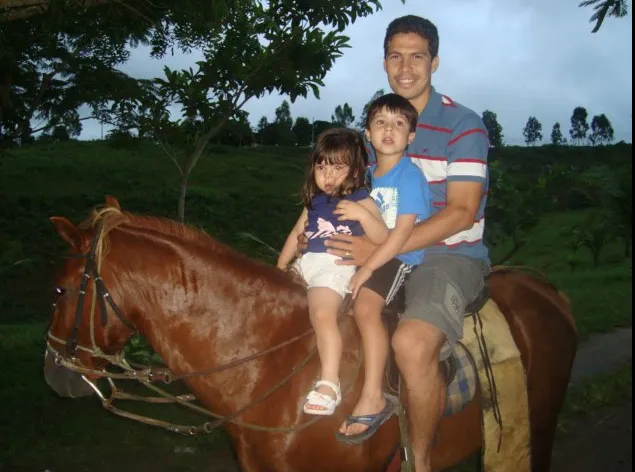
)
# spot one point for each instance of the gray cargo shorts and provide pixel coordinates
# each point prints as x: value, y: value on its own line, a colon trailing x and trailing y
x: 439, y: 290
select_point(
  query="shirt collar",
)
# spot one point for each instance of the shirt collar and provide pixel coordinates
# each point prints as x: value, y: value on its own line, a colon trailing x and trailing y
x: 434, y: 105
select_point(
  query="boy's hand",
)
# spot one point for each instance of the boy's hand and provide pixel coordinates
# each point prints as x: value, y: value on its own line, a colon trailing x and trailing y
x: 348, y: 210
x: 359, y: 279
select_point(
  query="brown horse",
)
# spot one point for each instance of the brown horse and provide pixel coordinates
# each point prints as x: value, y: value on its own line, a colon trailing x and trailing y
x: 202, y: 305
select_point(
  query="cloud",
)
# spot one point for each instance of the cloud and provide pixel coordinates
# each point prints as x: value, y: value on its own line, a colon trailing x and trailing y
x: 518, y: 58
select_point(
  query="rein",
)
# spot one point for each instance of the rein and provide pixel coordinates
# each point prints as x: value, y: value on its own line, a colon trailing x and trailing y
x: 148, y: 374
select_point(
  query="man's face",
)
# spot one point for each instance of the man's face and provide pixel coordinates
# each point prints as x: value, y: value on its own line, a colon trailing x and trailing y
x: 409, y: 68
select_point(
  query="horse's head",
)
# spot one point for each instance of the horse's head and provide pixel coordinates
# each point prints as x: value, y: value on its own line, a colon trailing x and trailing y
x: 87, y: 327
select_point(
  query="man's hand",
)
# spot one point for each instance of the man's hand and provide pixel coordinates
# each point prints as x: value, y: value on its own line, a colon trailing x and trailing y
x: 349, y: 210
x: 354, y: 250
x: 359, y: 279
x: 302, y: 243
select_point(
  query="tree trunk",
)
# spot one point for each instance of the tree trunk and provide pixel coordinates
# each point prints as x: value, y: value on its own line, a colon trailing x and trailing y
x: 182, y: 193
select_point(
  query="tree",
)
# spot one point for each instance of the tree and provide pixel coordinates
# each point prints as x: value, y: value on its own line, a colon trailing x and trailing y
x: 494, y: 129
x: 532, y: 131
x: 343, y: 115
x: 361, y: 124
x: 283, y: 115
x: 556, y: 136
x: 259, y: 48
x: 303, y: 131
x: 260, y: 130
x: 601, y: 130
x: 604, y: 8
x: 56, y: 55
x: 579, y: 125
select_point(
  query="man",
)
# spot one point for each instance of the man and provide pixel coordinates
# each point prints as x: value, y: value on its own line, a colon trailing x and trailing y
x: 450, y: 148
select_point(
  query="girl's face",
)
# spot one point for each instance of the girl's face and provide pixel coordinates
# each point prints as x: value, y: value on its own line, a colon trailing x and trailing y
x: 329, y: 177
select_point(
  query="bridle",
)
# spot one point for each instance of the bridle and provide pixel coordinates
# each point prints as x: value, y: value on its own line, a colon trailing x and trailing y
x: 145, y: 374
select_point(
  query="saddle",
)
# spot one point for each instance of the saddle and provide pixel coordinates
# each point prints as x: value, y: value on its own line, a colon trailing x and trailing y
x: 391, y: 316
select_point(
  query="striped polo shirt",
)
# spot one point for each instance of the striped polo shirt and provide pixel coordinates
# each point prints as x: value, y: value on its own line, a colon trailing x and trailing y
x: 451, y: 145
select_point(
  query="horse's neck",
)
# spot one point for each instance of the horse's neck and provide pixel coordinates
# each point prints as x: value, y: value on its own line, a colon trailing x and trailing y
x: 200, y: 307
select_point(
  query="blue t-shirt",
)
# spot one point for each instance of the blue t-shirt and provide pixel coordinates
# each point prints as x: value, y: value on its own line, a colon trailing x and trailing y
x: 322, y: 223
x: 451, y: 145
x: 402, y: 191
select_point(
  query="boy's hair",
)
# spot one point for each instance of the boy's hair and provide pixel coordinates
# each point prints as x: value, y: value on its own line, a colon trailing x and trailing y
x: 395, y: 104
x: 414, y: 24
x: 337, y: 146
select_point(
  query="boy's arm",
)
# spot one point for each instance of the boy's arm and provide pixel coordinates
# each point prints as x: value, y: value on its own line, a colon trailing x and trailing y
x: 393, y: 244
x: 388, y: 250
x: 374, y: 226
x: 290, y: 246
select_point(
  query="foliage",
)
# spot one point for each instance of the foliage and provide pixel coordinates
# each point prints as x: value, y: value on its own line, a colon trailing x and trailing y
x: 556, y: 136
x: 604, y: 8
x: 258, y: 49
x: 594, y: 234
x: 60, y: 133
x: 494, y: 129
x: 532, y: 131
x: 343, y: 116
x: 579, y: 125
x: 601, y: 130
x: 303, y: 131
x: 283, y: 115
x: 361, y: 124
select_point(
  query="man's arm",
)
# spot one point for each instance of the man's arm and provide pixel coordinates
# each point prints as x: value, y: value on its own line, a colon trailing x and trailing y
x: 384, y: 252
x: 463, y: 201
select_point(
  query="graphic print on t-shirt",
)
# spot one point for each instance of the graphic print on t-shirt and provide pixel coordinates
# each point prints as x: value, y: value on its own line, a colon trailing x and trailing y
x: 387, y: 199
x: 325, y: 229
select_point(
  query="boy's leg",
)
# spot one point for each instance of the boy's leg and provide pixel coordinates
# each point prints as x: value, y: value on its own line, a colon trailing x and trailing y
x: 378, y: 290
x: 368, y: 308
x: 324, y: 304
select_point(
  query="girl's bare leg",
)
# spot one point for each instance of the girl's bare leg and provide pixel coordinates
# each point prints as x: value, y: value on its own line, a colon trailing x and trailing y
x: 324, y: 305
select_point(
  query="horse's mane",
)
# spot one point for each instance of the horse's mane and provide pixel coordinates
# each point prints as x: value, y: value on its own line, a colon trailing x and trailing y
x: 110, y: 218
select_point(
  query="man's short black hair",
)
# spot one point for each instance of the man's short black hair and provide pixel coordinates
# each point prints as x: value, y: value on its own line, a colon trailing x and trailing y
x: 414, y: 24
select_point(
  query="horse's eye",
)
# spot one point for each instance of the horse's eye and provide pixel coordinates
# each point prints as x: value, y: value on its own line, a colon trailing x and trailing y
x: 59, y: 291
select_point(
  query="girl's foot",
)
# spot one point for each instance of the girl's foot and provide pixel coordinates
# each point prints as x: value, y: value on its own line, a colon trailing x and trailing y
x: 323, y: 399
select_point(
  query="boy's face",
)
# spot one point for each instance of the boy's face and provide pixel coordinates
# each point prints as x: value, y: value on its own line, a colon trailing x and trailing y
x: 409, y: 68
x: 389, y: 133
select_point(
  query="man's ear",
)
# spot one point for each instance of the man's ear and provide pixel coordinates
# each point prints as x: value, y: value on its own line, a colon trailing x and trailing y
x: 435, y: 64
x: 411, y: 138
x: 69, y: 232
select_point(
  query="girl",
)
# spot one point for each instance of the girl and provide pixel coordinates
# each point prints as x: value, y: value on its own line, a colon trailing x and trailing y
x: 336, y: 173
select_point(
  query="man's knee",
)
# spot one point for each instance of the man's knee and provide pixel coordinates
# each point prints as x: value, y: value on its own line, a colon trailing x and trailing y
x: 417, y: 343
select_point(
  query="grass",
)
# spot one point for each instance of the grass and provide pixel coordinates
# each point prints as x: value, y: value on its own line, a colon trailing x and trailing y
x: 40, y: 430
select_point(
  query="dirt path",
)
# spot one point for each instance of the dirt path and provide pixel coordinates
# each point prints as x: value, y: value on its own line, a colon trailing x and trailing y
x: 601, y: 441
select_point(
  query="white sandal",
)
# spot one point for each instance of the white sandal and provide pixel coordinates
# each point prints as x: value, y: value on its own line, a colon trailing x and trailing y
x: 326, y: 403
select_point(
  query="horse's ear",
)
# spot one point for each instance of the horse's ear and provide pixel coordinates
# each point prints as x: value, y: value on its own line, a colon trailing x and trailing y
x: 112, y: 202
x: 69, y: 232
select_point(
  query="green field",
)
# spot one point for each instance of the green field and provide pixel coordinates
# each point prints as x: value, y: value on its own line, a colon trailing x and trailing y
x: 231, y: 192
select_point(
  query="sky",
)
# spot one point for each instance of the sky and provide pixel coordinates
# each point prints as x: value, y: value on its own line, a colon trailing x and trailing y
x: 517, y: 58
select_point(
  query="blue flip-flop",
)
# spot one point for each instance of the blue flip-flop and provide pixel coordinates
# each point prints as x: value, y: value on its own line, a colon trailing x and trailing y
x: 372, y: 421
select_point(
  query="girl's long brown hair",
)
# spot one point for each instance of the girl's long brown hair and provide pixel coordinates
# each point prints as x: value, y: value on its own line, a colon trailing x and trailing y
x: 337, y: 146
